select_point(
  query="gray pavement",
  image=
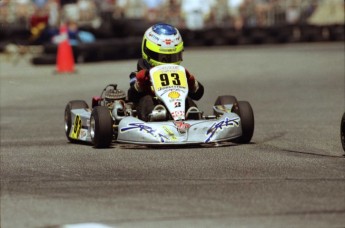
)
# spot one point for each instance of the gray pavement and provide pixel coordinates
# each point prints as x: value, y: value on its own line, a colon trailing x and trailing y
x: 291, y: 175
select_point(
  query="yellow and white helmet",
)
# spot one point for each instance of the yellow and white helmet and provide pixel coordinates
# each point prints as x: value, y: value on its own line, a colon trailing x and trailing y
x: 162, y: 43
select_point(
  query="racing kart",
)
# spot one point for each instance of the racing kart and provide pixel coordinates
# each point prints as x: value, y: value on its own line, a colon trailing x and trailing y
x: 112, y: 118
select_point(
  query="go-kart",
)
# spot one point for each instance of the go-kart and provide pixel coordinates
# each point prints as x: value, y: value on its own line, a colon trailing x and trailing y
x: 113, y: 118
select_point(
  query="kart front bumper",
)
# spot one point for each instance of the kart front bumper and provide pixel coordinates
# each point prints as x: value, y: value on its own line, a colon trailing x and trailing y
x: 135, y: 131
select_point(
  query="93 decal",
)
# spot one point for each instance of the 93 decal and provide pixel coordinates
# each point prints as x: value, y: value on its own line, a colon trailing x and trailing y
x: 163, y: 80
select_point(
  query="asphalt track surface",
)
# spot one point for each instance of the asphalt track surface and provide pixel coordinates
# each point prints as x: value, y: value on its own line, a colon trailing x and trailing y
x: 291, y: 175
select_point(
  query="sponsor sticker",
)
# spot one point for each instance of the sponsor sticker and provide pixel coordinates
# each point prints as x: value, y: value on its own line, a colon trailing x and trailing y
x: 76, y: 127
x: 174, y: 94
x: 178, y: 114
x: 181, y: 126
x: 83, y: 134
x: 226, y: 123
x: 171, y: 134
x: 168, y: 41
x: 146, y: 129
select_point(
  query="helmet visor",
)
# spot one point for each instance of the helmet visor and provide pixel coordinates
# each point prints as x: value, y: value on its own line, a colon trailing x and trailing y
x: 163, y: 58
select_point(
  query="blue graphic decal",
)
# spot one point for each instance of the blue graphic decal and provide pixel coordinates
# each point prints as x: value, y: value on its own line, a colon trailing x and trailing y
x: 219, y: 126
x: 146, y: 129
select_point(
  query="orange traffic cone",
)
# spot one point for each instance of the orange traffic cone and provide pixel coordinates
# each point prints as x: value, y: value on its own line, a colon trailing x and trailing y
x: 64, y: 59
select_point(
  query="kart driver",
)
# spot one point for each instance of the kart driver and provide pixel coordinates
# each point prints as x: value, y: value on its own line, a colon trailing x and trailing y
x: 162, y: 44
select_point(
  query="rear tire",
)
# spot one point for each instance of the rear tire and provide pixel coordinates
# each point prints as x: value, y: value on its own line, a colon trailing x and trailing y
x: 145, y: 107
x: 75, y: 104
x: 44, y: 59
x: 101, y: 125
x: 247, y: 121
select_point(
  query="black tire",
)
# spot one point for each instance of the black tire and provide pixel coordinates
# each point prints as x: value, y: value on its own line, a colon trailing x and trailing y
x: 227, y: 99
x: 44, y: 59
x: 342, y: 131
x: 247, y: 120
x: 190, y: 103
x: 75, y: 104
x: 101, y: 125
x: 145, y: 107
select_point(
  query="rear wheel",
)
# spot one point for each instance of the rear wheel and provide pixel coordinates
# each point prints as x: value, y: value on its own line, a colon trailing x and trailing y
x: 145, y: 107
x: 75, y: 104
x: 101, y: 126
x: 247, y: 121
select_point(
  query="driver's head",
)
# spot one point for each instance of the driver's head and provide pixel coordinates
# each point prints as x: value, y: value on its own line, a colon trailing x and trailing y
x: 162, y: 43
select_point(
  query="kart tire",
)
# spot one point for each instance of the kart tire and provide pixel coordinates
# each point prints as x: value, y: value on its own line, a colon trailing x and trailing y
x: 247, y: 121
x: 227, y: 99
x: 145, y: 107
x: 101, y: 125
x: 190, y: 103
x: 342, y: 131
x: 44, y: 59
x: 75, y: 104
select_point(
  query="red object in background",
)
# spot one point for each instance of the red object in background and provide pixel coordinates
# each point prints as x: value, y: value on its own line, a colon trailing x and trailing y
x: 37, y: 19
x: 64, y: 59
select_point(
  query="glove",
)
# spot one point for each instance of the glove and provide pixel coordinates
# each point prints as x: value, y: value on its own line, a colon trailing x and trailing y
x: 193, y: 84
x: 143, y: 80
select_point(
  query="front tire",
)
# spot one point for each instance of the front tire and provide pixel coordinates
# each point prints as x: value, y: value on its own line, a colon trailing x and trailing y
x: 75, y: 104
x: 101, y: 127
x: 247, y: 121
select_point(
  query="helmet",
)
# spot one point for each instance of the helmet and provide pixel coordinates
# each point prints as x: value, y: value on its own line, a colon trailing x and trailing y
x: 162, y: 43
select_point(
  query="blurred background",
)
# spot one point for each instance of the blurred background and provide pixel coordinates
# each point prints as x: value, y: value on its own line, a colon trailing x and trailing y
x: 112, y: 29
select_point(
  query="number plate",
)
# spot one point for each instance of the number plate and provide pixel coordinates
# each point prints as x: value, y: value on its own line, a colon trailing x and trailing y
x: 170, y: 86
x: 169, y: 76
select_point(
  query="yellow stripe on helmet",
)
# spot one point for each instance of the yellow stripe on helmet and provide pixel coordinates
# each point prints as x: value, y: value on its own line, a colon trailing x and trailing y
x: 173, y: 50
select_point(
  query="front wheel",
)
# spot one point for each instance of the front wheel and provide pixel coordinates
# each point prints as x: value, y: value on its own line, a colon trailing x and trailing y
x: 247, y: 120
x: 101, y: 127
